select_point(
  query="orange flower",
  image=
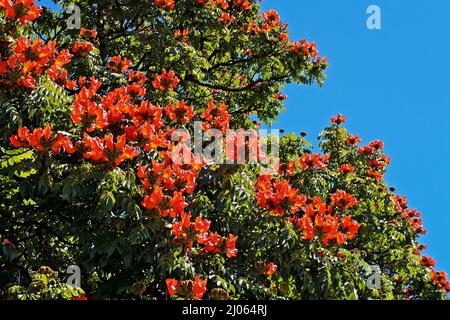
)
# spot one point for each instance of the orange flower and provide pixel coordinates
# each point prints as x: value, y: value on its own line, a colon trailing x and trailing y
x: 20, y: 140
x: 339, y: 119
x: 351, y: 226
x: 27, y: 81
x: 216, y: 117
x: 182, y: 34
x: 353, y: 139
x: 375, y: 174
x: 39, y: 139
x: 427, y: 261
x: 177, y: 205
x: 271, y: 268
x: 311, y: 161
x: 181, y: 228
x: 136, y: 76
x: 180, y: 112
x: 305, y: 47
x: 440, y: 278
x: 377, y: 144
x: 7, y: 242
x: 165, y: 4
x: 104, y: 150
x: 346, y: 168
x: 172, y: 286
x: 231, y: 250
x: 23, y: 10
x: 152, y: 201
x: 88, y: 33
x: 343, y: 200
x: 226, y: 18
x: 210, y: 242
x: 63, y: 58
x: 118, y: 65
x: 34, y: 56
x: 242, y: 4
x: 82, y: 48
x: 63, y: 142
x: 199, y: 288
x: 272, y: 17
x: 201, y: 225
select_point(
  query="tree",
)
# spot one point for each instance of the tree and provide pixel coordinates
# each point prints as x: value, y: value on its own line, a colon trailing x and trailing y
x: 88, y: 176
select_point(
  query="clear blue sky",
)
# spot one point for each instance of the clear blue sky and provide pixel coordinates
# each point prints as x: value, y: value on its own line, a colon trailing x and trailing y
x: 392, y: 84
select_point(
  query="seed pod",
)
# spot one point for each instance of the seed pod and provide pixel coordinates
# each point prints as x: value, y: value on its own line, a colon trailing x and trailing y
x: 219, y: 294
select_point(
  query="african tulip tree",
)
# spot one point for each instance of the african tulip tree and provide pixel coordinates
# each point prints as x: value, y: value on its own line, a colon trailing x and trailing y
x: 87, y: 119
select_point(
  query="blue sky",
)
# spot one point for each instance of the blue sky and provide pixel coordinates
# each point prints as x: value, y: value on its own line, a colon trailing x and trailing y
x: 392, y: 84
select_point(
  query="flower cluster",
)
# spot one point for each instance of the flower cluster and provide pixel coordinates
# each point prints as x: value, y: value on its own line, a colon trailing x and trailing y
x: 165, y: 4
x: 226, y: 4
x: 82, y: 48
x: 271, y: 269
x: 182, y: 34
x: 411, y: 216
x: 271, y: 20
x: 278, y: 196
x: 88, y: 33
x: 187, y: 231
x: 118, y: 65
x: 352, y: 140
x: 343, y: 200
x: 106, y: 150
x: 42, y: 140
x: 305, y: 47
x: 216, y: 117
x: 114, y: 124
x: 346, y: 168
x: 318, y: 219
x: 269, y: 24
x: 373, y: 156
x: 440, y: 278
x: 213, y: 243
x: 60, y: 77
x: 427, y: 261
x: 313, y: 161
x: 312, y: 216
x: 166, y: 81
x: 119, y: 124
x: 180, y: 112
x: 240, y: 143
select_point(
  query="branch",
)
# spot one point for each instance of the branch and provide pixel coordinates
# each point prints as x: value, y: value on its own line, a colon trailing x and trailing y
x: 248, y: 87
